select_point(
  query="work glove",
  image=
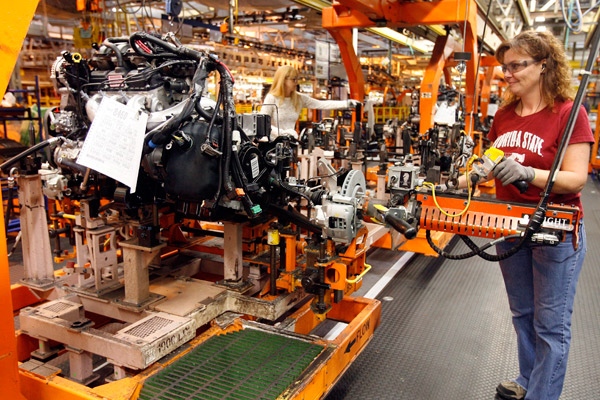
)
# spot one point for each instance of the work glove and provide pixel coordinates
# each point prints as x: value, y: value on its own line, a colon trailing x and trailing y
x: 275, y: 132
x: 290, y: 133
x: 353, y: 103
x: 441, y: 188
x: 509, y: 171
x: 444, y: 187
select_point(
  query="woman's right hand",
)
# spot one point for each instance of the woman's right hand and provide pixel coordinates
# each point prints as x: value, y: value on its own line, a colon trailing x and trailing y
x: 289, y: 132
x: 353, y: 103
x: 275, y: 132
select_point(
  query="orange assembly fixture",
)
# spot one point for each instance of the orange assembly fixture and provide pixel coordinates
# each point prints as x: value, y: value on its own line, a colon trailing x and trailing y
x: 344, y: 15
x: 491, y: 73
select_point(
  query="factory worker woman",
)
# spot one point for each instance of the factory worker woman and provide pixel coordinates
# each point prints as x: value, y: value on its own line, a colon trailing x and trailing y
x: 284, y: 103
x: 540, y: 279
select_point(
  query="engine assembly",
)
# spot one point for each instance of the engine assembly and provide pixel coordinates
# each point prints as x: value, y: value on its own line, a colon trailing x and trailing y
x: 209, y: 196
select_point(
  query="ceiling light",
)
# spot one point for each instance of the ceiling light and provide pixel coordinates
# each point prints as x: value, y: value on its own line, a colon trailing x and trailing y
x: 540, y: 18
x: 314, y: 4
x: 524, y: 12
x: 384, y: 32
x: 398, y: 37
x: 547, y: 6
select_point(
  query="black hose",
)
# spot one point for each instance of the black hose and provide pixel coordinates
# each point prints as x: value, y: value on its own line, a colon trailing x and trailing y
x: 476, y: 251
x: 116, y: 50
x: 118, y: 39
x: 228, y: 117
x: 172, y: 50
x: 296, y: 218
x: 480, y: 251
x: 9, y: 208
x: 294, y: 191
x: 213, y: 120
x: 162, y: 133
x: 238, y: 172
x: 442, y: 253
x: 74, y: 166
x: 169, y: 63
x: 209, y: 117
x: 8, y: 163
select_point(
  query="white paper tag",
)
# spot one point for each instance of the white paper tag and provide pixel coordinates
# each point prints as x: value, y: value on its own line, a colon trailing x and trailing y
x: 445, y: 115
x: 114, y: 143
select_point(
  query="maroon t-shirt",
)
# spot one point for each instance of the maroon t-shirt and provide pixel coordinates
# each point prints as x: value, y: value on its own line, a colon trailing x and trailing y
x: 533, y: 141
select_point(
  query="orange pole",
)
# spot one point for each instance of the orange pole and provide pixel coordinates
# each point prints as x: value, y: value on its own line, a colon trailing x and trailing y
x: 488, y: 63
x: 9, y: 371
x: 470, y: 46
x: 356, y: 80
x: 14, y: 23
x: 431, y: 84
x: 347, y: 14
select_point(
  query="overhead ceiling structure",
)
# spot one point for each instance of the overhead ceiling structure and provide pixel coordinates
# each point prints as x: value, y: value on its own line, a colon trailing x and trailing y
x: 295, y: 26
x: 284, y: 22
x: 298, y: 23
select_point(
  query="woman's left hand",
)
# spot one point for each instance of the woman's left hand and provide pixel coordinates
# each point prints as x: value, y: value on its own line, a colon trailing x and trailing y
x: 509, y: 171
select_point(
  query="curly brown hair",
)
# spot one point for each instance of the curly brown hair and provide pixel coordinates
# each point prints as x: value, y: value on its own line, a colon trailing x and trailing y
x: 555, y: 82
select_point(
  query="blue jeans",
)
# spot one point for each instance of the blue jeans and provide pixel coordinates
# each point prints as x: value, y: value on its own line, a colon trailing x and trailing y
x: 540, y: 282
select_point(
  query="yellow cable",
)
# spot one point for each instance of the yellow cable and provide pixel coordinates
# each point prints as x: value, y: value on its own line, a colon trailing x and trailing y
x: 432, y: 186
x: 359, y: 277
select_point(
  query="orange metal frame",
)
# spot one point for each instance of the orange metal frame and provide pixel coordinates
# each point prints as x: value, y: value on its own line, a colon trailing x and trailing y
x: 342, y: 273
x: 486, y: 218
x: 491, y: 73
x: 362, y: 316
x: 14, y: 22
x: 595, y: 158
x: 344, y: 15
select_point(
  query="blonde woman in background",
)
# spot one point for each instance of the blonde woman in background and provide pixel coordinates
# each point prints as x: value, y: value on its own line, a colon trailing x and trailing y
x: 284, y: 103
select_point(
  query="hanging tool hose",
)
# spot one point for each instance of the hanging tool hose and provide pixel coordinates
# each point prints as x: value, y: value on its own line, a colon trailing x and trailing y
x: 153, y: 47
x: 537, y: 218
x: 5, y: 167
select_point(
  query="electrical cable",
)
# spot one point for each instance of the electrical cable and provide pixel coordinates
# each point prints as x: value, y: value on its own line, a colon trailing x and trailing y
x: 475, y: 251
x: 116, y: 51
x: 149, y: 15
x: 124, y: 10
x: 491, y: 257
x: 469, y: 192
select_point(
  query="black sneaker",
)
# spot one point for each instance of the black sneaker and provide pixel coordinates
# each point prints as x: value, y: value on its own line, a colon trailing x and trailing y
x: 510, y: 390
